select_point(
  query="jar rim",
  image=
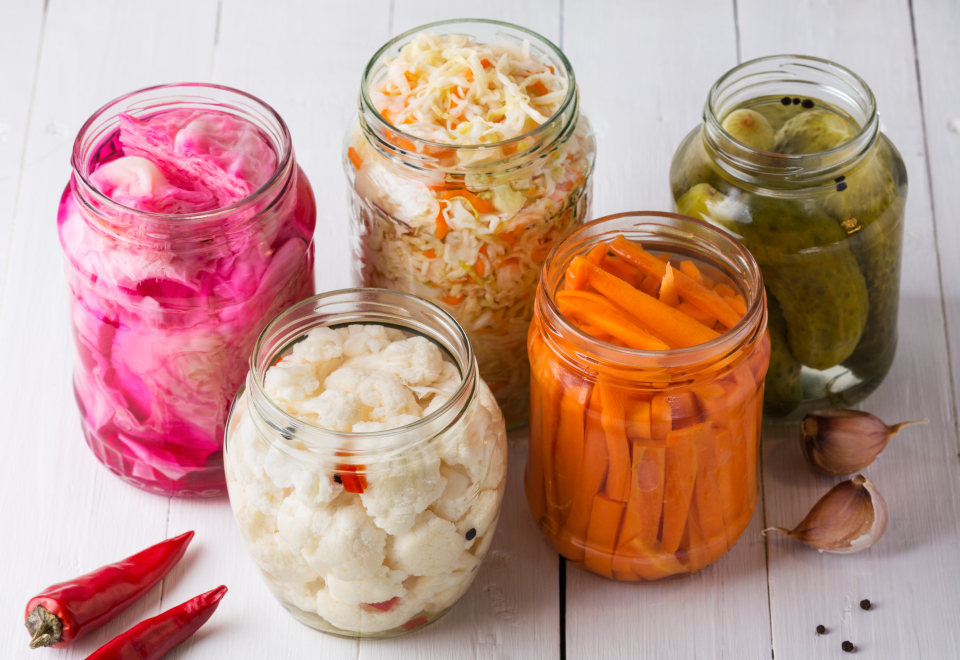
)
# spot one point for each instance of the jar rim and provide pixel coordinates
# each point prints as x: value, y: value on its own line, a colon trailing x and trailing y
x: 576, y: 243
x: 285, y: 151
x: 422, y: 429
x: 757, y: 161
x: 366, y: 103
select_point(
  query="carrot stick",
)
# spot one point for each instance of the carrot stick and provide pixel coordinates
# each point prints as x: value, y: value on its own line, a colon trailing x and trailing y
x: 610, y: 306
x: 681, y: 472
x: 635, y: 557
x: 736, y: 305
x: 577, y: 277
x: 668, y: 288
x: 661, y: 419
x: 706, y: 492
x: 697, y: 314
x: 724, y: 290
x: 636, y: 256
x: 651, y: 286
x: 442, y: 227
x: 569, y: 450
x: 690, y: 270
x: 613, y: 422
x: 638, y: 421
x: 593, y: 470
x: 623, y: 270
x: 645, y: 506
x: 610, y: 322
x: 730, y: 481
x: 552, y: 394
x: 354, y: 158
x: 478, y: 204
x: 597, y: 253
x: 605, y: 515
x: 676, y: 327
x: 704, y: 298
x: 702, y: 549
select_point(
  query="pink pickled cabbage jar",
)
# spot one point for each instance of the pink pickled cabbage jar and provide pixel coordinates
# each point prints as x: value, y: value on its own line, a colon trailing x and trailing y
x: 186, y: 226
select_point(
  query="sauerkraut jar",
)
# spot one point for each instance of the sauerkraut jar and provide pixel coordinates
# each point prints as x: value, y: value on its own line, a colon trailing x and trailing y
x: 365, y: 460
x: 648, y: 355
x: 186, y: 226
x: 469, y: 161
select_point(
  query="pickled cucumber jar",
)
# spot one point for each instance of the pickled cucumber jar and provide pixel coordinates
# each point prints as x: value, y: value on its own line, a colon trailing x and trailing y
x: 642, y: 463
x: 365, y: 462
x: 790, y: 159
x: 469, y: 160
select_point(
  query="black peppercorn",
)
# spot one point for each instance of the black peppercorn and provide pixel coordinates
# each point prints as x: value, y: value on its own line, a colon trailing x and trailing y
x: 841, y: 186
x: 796, y: 101
x: 840, y: 178
x: 807, y: 103
x: 337, y: 478
x: 785, y: 100
x: 821, y: 629
x: 865, y: 604
x: 471, y: 534
x: 847, y: 646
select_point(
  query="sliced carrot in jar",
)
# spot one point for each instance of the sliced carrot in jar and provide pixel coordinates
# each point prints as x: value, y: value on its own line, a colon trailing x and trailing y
x: 681, y: 472
x: 613, y: 421
x: 605, y: 516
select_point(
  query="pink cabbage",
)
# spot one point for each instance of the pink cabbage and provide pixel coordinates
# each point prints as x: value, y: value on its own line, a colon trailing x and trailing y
x: 165, y: 314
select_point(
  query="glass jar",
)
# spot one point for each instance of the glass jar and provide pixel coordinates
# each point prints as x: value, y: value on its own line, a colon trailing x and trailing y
x: 365, y: 534
x: 643, y: 464
x: 166, y: 307
x: 481, y: 260
x: 818, y: 197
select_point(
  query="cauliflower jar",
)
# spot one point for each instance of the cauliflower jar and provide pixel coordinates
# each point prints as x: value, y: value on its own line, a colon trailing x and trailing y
x: 790, y: 159
x: 365, y: 461
x: 469, y: 161
x: 186, y: 226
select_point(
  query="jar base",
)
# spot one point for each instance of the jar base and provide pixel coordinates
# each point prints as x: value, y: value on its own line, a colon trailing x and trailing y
x: 313, y: 620
x: 205, y: 483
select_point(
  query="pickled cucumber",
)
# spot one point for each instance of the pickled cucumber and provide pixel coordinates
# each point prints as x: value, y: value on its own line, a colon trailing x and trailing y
x: 749, y: 127
x: 813, y: 131
x: 783, y: 392
x: 691, y: 166
x: 807, y: 265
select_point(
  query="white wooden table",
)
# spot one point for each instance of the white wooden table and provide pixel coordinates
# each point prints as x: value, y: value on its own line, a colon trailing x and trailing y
x: 644, y: 69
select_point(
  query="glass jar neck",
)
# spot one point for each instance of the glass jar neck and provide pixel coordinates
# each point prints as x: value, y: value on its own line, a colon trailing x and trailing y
x: 657, y: 232
x: 516, y: 153
x: 301, y: 440
x: 180, y: 232
x: 789, y: 76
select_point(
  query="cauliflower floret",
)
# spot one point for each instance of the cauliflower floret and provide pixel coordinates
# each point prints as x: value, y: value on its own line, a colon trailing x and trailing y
x: 363, y: 618
x: 380, y: 587
x: 335, y: 409
x: 441, y: 591
x: 300, y: 595
x: 397, y: 496
x: 429, y: 548
x: 416, y: 361
x: 497, y: 470
x: 287, y: 381
x: 482, y: 544
x: 391, y: 423
x: 320, y: 344
x: 252, y: 521
x: 481, y: 513
x: 247, y: 452
x: 456, y: 497
x: 313, y: 488
x: 382, y: 392
x: 339, y: 539
x: 274, y: 557
x: 483, y: 430
x: 362, y: 339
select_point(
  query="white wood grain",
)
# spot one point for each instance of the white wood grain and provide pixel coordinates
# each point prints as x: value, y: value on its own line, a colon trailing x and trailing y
x: 911, y: 575
x: 21, y: 31
x: 643, y: 95
x: 63, y: 512
x: 937, y: 31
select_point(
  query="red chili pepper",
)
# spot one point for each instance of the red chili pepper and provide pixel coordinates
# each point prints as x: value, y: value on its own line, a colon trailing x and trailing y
x: 63, y: 613
x: 154, y: 638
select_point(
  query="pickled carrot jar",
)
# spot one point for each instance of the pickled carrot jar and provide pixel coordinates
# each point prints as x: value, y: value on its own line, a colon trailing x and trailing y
x: 648, y: 354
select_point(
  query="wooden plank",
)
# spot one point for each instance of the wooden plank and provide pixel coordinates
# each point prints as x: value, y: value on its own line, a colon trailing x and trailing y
x: 936, y: 26
x: 21, y: 32
x: 643, y: 96
x: 68, y: 514
x: 911, y: 574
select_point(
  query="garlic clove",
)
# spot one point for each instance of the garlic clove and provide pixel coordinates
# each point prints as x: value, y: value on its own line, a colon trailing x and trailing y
x: 851, y: 517
x: 841, y: 442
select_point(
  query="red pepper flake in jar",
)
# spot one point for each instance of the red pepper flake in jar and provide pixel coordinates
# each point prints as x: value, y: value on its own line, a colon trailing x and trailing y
x: 415, y: 622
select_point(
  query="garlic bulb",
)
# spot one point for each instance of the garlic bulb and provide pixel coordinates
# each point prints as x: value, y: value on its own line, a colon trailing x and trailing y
x: 851, y: 517
x: 841, y: 442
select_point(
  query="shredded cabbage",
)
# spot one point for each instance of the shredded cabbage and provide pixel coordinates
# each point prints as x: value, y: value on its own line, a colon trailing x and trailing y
x: 472, y: 243
x: 164, y: 324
